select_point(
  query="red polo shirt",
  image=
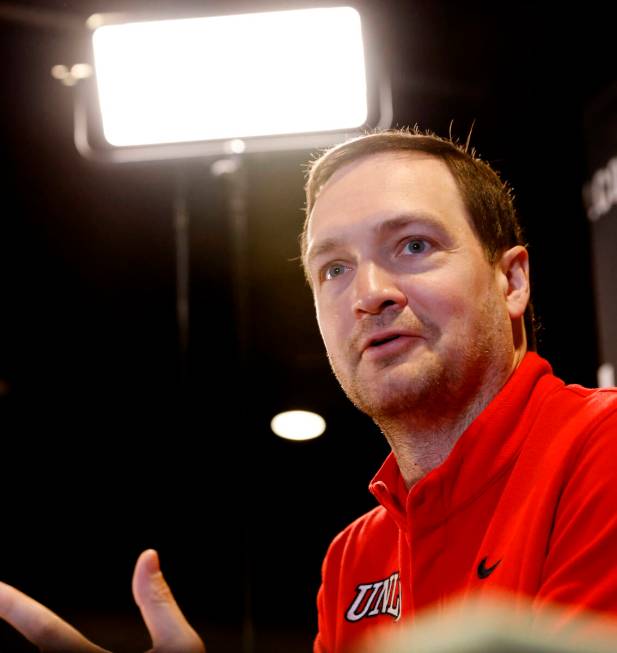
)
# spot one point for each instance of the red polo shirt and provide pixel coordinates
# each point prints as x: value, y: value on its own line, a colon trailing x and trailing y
x: 526, y: 502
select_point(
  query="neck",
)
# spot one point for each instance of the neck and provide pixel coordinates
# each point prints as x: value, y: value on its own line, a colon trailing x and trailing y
x: 421, y: 441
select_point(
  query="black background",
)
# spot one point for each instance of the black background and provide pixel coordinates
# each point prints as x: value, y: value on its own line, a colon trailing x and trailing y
x: 106, y: 451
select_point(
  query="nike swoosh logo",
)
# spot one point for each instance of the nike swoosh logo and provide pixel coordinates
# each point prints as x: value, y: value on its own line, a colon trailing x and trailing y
x: 484, y: 571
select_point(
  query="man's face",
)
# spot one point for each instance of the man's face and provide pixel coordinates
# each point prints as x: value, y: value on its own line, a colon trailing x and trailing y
x: 410, y: 310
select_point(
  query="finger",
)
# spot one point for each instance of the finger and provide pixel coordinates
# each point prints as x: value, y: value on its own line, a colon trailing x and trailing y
x: 168, y: 627
x: 40, y: 625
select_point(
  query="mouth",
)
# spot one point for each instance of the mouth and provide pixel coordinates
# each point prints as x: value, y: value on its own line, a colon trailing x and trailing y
x: 382, y: 341
x: 387, y: 341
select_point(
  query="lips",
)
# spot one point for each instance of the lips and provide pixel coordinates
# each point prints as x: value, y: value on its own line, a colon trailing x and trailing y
x: 383, y: 338
x: 377, y: 343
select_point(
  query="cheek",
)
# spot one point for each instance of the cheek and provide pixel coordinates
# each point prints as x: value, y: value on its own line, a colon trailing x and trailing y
x: 329, y: 325
x: 452, y: 299
x: 438, y: 300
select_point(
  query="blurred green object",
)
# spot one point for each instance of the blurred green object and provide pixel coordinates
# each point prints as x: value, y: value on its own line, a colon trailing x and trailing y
x: 497, y: 625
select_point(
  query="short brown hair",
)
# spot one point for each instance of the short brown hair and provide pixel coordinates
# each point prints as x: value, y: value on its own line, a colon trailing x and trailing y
x: 488, y: 199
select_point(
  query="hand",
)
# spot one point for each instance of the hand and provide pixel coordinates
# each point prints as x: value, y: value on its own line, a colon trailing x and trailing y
x: 168, y: 628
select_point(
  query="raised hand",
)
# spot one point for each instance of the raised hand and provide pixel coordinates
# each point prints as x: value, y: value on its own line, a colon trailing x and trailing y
x: 168, y: 628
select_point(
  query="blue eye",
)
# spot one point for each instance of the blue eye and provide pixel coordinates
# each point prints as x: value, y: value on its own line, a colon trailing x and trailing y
x: 334, y: 270
x: 416, y: 246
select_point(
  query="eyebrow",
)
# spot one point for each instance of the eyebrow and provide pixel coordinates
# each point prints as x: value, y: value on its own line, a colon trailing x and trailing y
x: 384, y: 228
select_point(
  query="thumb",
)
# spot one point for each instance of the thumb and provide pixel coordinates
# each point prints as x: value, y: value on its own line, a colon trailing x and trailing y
x: 168, y: 628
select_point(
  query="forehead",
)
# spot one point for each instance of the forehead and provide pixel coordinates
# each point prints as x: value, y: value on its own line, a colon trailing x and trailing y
x: 380, y: 185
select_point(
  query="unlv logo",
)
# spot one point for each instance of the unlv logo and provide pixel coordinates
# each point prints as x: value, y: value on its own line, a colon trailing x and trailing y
x: 380, y: 597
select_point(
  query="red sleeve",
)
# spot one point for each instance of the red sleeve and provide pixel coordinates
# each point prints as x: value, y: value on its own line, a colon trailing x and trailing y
x: 319, y: 645
x: 581, y: 564
x: 326, y: 612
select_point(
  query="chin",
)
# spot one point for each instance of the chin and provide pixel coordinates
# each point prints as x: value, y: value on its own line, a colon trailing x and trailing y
x: 430, y: 388
x: 395, y: 396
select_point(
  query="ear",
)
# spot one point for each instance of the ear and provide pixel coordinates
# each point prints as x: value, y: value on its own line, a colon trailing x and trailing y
x: 513, y: 276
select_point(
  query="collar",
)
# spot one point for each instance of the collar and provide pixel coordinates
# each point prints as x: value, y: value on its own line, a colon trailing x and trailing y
x: 486, y: 449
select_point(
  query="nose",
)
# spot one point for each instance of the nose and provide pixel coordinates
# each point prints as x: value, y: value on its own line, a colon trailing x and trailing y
x: 375, y: 290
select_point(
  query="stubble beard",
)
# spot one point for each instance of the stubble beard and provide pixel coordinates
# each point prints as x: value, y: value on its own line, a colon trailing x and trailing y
x: 427, y: 389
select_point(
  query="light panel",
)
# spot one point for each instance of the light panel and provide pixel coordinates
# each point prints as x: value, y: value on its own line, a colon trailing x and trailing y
x: 224, y: 77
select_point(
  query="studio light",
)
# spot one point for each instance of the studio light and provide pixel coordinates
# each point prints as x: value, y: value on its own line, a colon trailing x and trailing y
x: 231, y: 76
x: 193, y: 86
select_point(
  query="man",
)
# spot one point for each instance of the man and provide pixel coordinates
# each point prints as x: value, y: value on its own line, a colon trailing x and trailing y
x: 500, y: 476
